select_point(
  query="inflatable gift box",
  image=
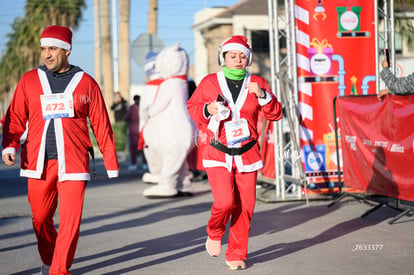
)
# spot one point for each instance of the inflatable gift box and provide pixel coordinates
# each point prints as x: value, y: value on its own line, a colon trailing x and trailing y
x: 320, y: 56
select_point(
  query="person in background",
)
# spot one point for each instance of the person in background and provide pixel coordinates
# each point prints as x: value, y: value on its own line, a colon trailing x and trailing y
x: 120, y: 107
x: 57, y: 99
x: 132, y: 118
x: 395, y: 85
x: 226, y: 106
x: 2, y: 123
x: 195, y: 156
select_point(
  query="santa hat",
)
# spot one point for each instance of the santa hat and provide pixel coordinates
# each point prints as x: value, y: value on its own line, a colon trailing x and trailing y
x: 235, y: 43
x: 57, y: 36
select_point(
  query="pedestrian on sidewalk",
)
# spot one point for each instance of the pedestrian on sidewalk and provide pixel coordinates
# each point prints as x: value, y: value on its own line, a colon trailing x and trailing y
x: 226, y: 106
x: 57, y: 99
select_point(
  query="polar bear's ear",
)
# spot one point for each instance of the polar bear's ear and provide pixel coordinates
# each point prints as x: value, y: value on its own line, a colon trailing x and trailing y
x: 177, y: 46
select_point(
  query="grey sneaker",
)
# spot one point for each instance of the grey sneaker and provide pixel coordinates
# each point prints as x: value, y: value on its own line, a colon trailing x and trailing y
x: 44, y: 269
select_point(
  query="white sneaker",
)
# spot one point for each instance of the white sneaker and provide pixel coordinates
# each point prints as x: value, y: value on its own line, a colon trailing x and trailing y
x: 150, y: 178
x: 158, y: 191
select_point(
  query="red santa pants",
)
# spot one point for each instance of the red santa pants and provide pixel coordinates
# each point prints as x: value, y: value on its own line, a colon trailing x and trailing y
x: 57, y: 250
x: 234, y: 197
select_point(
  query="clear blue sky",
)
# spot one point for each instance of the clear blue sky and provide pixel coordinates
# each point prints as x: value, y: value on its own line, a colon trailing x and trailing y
x: 175, y: 18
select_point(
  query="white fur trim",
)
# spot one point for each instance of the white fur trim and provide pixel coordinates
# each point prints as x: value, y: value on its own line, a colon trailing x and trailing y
x: 53, y: 42
x: 75, y: 176
x: 235, y: 106
x: 9, y: 150
x: 30, y: 173
x: 247, y: 168
x: 113, y: 173
x: 213, y: 163
x: 267, y: 99
x: 236, y: 47
x: 204, y: 114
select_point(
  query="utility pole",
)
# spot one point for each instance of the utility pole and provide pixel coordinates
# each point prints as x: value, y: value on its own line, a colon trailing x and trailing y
x: 152, y: 22
x: 149, y: 41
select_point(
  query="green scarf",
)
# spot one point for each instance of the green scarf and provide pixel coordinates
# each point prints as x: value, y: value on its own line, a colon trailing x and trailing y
x: 234, y: 74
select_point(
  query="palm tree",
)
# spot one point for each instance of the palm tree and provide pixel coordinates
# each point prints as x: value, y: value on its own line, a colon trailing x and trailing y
x: 23, y: 51
x: 108, y: 81
x: 124, y: 49
x: 98, y: 54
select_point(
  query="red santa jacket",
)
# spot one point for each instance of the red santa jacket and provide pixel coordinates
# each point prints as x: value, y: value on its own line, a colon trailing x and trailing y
x: 247, y: 106
x: 72, y: 134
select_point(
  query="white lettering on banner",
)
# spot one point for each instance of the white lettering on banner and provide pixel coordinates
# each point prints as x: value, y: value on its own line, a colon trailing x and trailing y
x: 352, y: 142
x: 350, y: 138
x: 381, y: 143
x: 397, y: 148
x: 367, y: 142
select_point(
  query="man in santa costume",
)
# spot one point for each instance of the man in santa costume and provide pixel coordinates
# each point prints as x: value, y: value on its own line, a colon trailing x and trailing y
x: 56, y: 100
x: 226, y: 105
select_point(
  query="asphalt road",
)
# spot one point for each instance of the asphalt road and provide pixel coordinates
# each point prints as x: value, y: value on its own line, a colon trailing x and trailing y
x: 122, y: 232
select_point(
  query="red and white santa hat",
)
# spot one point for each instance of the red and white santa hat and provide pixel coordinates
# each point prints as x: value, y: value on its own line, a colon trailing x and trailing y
x: 236, y: 43
x: 57, y: 36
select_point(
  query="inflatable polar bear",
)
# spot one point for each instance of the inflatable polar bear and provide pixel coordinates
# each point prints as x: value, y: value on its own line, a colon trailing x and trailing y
x: 147, y: 99
x: 169, y: 130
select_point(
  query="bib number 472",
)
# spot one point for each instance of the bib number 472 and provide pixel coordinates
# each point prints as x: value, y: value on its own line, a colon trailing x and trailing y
x: 55, y: 107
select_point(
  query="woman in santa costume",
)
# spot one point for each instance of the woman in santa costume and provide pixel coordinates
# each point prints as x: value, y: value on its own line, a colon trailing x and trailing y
x: 226, y: 105
x: 56, y: 100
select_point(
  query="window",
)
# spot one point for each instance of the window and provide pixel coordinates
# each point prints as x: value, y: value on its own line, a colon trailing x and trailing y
x: 260, y: 41
x: 398, y: 43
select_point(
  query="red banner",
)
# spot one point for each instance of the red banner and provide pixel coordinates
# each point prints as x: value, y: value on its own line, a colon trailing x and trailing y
x: 332, y: 38
x: 268, y: 150
x: 377, y: 144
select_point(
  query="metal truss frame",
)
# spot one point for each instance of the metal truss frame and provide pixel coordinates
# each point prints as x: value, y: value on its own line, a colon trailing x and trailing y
x: 290, y: 181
